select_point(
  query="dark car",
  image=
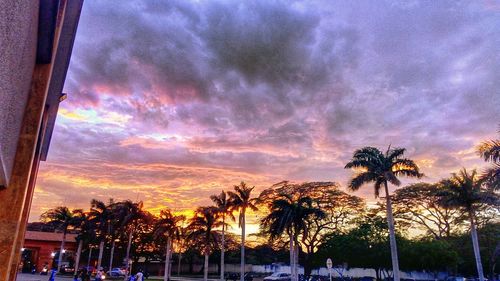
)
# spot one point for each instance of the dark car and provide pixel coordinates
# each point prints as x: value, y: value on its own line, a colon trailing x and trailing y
x: 231, y: 276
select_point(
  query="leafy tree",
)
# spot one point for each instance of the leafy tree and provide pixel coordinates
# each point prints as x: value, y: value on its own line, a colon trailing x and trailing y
x: 428, y: 255
x: 490, y: 239
x: 224, y: 208
x: 63, y: 219
x: 202, y: 232
x: 380, y: 169
x: 365, y: 246
x: 419, y: 204
x: 240, y: 200
x: 465, y: 191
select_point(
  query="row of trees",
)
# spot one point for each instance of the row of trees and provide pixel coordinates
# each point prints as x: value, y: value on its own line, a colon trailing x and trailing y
x: 307, y: 218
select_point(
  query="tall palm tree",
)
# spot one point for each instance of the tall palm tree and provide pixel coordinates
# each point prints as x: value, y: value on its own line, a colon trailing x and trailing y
x: 289, y: 215
x: 202, y: 231
x: 181, y: 245
x: 115, y: 227
x: 223, y: 205
x: 465, y: 191
x: 490, y: 152
x: 100, y: 215
x: 63, y: 219
x: 128, y: 213
x: 169, y: 226
x: 85, y: 233
x: 240, y: 200
x: 381, y: 168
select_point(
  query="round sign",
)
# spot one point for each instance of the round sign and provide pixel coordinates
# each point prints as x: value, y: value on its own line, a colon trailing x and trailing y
x: 329, y: 263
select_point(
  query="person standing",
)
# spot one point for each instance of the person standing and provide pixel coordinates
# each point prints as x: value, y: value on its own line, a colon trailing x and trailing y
x: 52, y: 275
x: 98, y: 275
x: 139, y: 276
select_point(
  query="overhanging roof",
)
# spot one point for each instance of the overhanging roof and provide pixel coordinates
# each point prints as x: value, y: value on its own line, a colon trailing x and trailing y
x: 61, y: 61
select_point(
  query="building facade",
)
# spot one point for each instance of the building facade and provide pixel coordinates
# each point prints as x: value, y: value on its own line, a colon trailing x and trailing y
x: 41, y: 249
x: 36, y: 41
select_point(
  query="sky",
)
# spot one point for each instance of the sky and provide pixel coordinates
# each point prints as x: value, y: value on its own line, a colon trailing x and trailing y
x: 170, y: 102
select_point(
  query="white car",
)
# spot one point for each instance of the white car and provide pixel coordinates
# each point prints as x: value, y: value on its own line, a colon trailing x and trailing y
x: 278, y: 276
x: 116, y: 272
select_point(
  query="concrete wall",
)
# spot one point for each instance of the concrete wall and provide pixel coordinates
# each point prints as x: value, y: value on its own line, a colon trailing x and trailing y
x: 18, y: 31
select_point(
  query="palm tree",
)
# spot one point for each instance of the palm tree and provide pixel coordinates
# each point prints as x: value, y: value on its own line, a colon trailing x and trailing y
x: 290, y: 215
x: 128, y: 213
x: 63, y: 219
x: 202, y: 231
x: 381, y: 168
x: 490, y: 152
x: 223, y: 206
x: 240, y: 201
x: 85, y: 233
x: 169, y: 226
x: 181, y: 245
x: 465, y: 191
x: 100, y: 215
x: 114, y: 228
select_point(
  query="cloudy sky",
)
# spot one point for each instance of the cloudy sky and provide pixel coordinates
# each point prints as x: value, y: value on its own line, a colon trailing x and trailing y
x: 172, y: 101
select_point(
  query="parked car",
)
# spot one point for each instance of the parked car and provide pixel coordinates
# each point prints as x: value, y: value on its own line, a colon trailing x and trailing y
x: 116, y: 272
x: 231, y: 276
x: 67, y: 269
x: 278, y: 276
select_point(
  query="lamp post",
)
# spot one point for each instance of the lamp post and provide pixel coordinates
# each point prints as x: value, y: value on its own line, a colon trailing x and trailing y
x: 329, y: 265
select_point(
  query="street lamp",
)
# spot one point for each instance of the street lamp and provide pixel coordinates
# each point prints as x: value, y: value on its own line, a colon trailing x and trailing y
x: 53, y: 254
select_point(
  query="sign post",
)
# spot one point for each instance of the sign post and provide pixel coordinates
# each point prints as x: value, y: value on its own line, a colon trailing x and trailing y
x: 329, y: 265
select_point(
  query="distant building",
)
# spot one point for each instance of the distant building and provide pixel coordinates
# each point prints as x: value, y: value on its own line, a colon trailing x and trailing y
x: 41, y: 248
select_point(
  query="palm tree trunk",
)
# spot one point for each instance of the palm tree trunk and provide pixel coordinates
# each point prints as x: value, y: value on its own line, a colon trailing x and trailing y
x: 167, y: 261
x: 101, y: 250
x: 292, y: 257
x: 179, y: 265
x: 242, y: 266
x: 475, y: 244
x: 222, y: 250
x: 392, y: 235
x: 78, y: 254
x: 205, y: 269
x: 170, y: 260
x: 112, y: 255
x: 61, y: 251
x: 127, y: 257
x: 90, y: 256
x: 296, y: 260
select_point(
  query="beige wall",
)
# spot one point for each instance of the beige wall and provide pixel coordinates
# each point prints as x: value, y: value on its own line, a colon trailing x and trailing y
x: 18, y: 31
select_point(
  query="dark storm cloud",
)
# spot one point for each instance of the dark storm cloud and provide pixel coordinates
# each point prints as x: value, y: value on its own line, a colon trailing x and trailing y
x: 181, y: 93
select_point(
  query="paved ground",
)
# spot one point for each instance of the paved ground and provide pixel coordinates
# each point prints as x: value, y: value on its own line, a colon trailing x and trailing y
x: 37, y: 277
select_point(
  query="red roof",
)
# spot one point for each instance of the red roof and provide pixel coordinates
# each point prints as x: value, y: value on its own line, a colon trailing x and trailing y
x: 48, y: 236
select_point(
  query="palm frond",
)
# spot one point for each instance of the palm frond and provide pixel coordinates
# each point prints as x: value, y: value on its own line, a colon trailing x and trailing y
x: 360, y: 179
x: 490, y: 151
